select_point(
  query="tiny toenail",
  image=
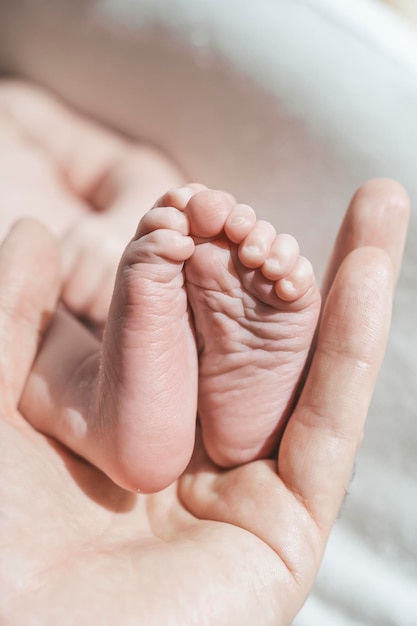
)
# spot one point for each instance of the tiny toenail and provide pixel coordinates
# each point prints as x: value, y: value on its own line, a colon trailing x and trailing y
x: 288, y: 285
x: 273, y: 264
x: 253, y: 250
x: 239, y: 220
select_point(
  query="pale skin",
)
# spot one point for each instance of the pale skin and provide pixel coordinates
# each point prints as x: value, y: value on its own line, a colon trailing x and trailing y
x: 218, y: 546
x: 237, y: 546
x: 253, y: 334
x: 252, y: 297
x: 89, y: 185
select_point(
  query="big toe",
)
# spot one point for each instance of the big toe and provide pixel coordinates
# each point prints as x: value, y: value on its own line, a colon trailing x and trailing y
x: 207, y: 212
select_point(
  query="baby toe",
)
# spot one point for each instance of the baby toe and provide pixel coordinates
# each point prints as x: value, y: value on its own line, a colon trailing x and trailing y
x: 163, y: 218
x: 207, y: 212
x: 158, y: 246
x: 282, y: 258
x: 176, y: 197
x: 240, y: 222
x: 296, y: 284
x: 255, y: 248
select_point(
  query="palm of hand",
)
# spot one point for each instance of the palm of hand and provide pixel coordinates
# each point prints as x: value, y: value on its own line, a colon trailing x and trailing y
x: 237, y: 546
x: 82, y: 541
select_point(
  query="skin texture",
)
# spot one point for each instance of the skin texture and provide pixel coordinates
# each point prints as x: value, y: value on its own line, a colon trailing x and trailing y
x: 255, y: 306
x: 219, y: 547
x: 89, y: 198
x: 248, y: 349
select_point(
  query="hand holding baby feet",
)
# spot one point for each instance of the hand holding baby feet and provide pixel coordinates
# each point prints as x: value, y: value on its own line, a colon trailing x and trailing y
x: 253, y: 536
x: 254, y: 308
x: 255, y: 305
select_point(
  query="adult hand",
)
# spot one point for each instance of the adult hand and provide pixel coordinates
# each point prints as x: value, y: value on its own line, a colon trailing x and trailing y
x: 89, y: 185
x: 218, y: 547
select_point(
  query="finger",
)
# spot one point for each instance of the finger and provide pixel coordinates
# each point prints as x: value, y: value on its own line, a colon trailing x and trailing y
x: 60, y: 132
x: 319, y: 445
x: 377, y: 216
x: 294, y: 515
x: 91, y: 251
x: 88, y: 291
x: 294, y: 511
x: 29, y: 284
x: 109, y: 170
x: 60, y: 386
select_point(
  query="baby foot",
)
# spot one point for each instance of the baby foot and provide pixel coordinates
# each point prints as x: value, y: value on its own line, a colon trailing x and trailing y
x: 255, y: 305
x: 129, y: 405
x: 149, y: 361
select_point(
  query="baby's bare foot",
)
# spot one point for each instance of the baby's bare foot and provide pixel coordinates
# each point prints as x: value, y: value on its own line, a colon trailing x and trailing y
x: 255, y: 305
x: 149, y: 335
x: 129, y: 405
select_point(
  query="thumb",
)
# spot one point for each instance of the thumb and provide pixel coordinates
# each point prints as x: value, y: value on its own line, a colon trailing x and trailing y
x: 29, y: 285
